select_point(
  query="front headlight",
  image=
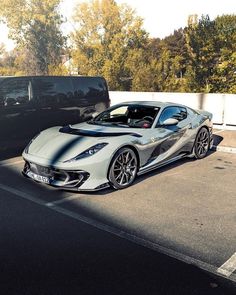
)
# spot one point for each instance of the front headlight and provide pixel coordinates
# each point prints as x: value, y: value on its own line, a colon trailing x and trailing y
x: 89, y: 152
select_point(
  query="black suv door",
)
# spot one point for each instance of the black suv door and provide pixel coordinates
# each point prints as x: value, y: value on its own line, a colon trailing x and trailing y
x: 54, y: 96
x: 18, y: 110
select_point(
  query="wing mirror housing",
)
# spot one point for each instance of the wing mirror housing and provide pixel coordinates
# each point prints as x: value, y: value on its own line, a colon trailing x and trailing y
x: 170, y: 122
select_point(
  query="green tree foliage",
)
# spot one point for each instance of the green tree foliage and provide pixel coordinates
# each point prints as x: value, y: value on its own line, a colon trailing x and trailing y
x: 141, y: 69
x: 35, y: 26
x: 167, y: 64
x: 199, y: 58
x: 2, y: 49
x: 8, y: 63
x: 174, y: 63
x: 212, y: 53
x: 107, y: 36
x: 109, y: 40
x: 224, y: 79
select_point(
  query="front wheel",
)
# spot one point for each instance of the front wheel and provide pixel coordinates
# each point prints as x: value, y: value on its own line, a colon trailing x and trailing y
x: 123, y: 168
x: 202, y: 143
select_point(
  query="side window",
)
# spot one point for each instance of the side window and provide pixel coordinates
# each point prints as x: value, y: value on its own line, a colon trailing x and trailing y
x: 64, y: 90
x: 15, y: 92
x: 88, y: 87
x: 183, y: 113
x: 178, y: 113
x: 53, y: 91
x: 44, y: 91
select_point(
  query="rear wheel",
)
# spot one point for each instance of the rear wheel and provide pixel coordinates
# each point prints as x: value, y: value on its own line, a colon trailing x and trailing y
x: 123, y: 168
x: 202, y: 143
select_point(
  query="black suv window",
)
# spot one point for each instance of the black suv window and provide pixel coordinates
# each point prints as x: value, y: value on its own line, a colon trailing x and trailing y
x: 52, y: 91
x: 178, y: 113
x: 15, y: 92
x: 88, y: 88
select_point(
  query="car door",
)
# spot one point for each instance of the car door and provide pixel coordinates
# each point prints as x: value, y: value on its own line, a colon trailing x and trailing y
x: 18, y: 122
x: 171, y: 140
x: 54, y: 96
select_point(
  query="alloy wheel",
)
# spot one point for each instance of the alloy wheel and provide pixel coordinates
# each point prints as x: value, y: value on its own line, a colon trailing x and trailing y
x: 202, y: 143
x: 123, y: 168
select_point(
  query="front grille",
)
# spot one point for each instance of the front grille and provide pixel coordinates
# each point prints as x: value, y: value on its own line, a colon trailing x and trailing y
x: 70, y: 179
x: 43, y: 170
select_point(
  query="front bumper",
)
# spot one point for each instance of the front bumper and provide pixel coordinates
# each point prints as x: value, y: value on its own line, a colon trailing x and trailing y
x: 74, y: 180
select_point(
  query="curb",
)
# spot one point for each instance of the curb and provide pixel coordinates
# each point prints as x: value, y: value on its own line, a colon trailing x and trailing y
x: 224, y: 149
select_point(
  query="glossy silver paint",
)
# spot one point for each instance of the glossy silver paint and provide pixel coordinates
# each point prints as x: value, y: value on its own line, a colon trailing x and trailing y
x: 154, y: 147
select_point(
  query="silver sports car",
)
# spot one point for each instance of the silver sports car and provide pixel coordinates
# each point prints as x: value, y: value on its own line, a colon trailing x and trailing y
x: 124, y: 141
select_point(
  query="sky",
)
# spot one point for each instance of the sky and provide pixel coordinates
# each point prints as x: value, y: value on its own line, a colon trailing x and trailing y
x: 161, y: 17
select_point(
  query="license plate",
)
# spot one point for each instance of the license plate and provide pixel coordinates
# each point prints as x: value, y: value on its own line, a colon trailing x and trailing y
x: 39, y: 178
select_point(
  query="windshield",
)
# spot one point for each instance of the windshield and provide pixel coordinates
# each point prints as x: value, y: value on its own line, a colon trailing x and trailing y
x: 132, y: 116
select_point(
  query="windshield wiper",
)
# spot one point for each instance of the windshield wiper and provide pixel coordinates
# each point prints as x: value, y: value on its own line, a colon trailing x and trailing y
x: 103, y: 123
x: 119, y: 124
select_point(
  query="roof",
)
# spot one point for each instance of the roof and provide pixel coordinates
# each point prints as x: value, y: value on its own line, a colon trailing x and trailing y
x: 159, y: 104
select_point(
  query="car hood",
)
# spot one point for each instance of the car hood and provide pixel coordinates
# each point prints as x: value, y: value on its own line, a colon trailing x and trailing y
x: 90, y: 130
x: 63, y: 143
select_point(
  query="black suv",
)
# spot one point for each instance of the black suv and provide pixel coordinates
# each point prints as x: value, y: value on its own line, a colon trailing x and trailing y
x: 33, y: 103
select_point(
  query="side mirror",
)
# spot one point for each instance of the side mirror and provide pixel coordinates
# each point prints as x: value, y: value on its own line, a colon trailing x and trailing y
x: 170, y: 121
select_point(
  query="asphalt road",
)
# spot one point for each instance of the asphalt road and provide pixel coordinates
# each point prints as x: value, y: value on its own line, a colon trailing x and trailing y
x: 155, y: 237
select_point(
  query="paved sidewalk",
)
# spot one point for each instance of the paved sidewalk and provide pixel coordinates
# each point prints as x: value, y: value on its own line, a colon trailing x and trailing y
x: 225, y: 140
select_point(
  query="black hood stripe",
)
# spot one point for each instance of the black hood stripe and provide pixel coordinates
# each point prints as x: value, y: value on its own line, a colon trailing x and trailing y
x: 91, y: 133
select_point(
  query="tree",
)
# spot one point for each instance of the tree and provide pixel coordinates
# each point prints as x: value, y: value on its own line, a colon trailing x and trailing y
x: 35, y: 26
x: 212, y: 47
x: 9, y: 64
x: 169, y: 55
x: 142, y: 67
x: 203, y: 53
x: 2, y: 49
x: 224, y: 79
x: 174, y: 62
x: 106, y: 34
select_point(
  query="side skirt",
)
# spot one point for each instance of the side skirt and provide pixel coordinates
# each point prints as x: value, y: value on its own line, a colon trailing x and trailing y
x: 145, y: 170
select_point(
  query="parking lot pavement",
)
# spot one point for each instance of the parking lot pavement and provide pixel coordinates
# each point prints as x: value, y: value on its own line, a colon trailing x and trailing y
x: 225, y: 140
x: 185, y: 210
x: 43, y: 253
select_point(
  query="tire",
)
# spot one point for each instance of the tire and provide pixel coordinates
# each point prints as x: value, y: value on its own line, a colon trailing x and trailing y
x: 202, y: 143
x: 123, y: 168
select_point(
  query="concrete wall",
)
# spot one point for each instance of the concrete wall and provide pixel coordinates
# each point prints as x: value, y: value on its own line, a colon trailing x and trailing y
x: 222, y: 106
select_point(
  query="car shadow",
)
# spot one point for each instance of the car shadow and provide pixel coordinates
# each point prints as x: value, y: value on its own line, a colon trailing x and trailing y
x: 109, y: 190
x: 217, y: 139
x: 149, y: 174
